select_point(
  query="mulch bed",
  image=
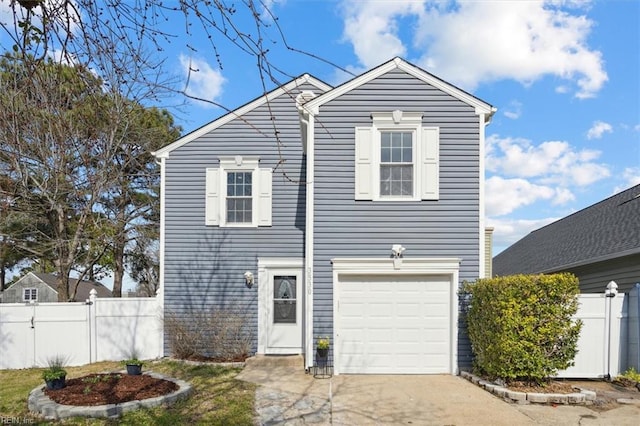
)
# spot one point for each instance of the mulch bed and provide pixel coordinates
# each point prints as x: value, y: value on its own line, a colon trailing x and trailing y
x: 99, y: 389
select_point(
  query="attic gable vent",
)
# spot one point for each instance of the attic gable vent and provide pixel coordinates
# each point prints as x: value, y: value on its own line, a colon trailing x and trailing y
x: 304, y: 97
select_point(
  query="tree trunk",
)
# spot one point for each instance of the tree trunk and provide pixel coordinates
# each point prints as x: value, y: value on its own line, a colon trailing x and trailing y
x: 118, y: 270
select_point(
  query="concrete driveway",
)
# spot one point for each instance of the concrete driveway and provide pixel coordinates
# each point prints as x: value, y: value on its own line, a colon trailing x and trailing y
x: 289, y: 396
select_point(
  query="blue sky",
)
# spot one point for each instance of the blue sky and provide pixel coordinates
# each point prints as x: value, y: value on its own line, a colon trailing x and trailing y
x: 564, y: 75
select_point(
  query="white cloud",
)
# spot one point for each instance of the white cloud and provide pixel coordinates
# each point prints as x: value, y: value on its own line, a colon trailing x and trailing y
x: 372, y: 27
x: 514, y: 110
x: 503, y: 196
x: 472, y: 42
x: 508, y: 231
x: 203, y: 82
x: 598, y: 129
x: 551, y: 162
x: 630, y: 177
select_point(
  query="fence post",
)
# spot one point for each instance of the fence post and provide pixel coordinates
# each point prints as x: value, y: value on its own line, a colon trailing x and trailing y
x: 93, y: 335
x: 609, y: 294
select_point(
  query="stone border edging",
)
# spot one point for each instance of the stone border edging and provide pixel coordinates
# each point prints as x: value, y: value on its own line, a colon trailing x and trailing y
x: 40, y: 403
x: 584, y: 397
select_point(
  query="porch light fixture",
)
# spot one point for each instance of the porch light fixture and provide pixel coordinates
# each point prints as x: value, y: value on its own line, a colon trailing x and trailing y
x: 248, y: 278
x: 396, y: 252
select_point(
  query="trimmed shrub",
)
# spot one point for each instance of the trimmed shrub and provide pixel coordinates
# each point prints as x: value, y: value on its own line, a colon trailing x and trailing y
x: 521, y: 327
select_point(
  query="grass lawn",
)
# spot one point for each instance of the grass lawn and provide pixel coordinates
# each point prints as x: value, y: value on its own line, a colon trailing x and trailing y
x: 217, y: 397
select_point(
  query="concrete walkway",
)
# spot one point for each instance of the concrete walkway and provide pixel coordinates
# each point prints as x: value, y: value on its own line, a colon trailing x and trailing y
x: 287, y: 395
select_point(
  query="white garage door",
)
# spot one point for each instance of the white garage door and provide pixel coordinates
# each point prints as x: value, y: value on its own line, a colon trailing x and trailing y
x: 394, y: 324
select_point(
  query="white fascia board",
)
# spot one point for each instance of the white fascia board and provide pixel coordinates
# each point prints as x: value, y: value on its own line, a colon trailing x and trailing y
x: 479, y: 105
x: 232, y: 115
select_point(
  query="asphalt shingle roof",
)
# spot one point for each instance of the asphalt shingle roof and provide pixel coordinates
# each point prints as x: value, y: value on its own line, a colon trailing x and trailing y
x: 608, y: 229
x: 83, y: 288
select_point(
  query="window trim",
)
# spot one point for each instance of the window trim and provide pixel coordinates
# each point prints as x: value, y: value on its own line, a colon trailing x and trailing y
x: 239, y: 164
x: 367, y: 156
x: 396, y: 121
x: 30, y: 289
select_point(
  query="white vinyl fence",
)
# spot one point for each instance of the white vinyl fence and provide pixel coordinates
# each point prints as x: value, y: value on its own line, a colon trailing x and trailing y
x: 80, y: 333
x: 610, y: 336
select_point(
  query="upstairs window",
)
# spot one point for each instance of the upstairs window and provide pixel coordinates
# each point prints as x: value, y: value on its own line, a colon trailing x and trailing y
x: 30, y: 294
x: 239, y: 199
x: 397, y: 158
x: 238, y: 193
x: 396, y: 164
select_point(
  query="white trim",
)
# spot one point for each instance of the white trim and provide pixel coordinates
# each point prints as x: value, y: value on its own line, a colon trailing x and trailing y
x: 410, y: 266
x: 238, y: 164
x: 161, y: 254
x: 481, y: 195
x: 162, y: 237
x: 265, y: 264
x: 396, y: 121
x: 480, y: 106
x: 232, y: 115
x: 309, y: 248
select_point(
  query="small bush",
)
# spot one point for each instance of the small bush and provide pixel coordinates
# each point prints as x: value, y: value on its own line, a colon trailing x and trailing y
x: 521, y: 327
x: 631, y: 374
x: 222, y: 334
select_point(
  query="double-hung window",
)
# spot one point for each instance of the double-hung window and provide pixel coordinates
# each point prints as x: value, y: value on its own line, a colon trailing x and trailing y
x: 238, y: 193
x: 396, y: 164
x: 239, y: 201
x: 29, y: 294
x: 397, y: 158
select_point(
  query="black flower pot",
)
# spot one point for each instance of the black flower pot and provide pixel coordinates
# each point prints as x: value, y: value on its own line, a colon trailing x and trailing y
x: 134, y: 369
x: 322, y: 355
x: 56, y: 384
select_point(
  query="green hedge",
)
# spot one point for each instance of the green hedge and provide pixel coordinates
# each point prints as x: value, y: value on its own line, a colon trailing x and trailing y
x: 521, y: 326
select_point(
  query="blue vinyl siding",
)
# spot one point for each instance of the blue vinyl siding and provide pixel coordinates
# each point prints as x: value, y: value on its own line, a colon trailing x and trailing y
x: 204, y: 265
x: 345, y: 227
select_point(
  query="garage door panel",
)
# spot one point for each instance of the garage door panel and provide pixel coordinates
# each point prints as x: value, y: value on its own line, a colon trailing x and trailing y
x: 394, y: 325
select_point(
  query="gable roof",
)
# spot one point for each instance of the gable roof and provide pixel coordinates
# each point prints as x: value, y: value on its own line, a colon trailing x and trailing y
x: 481, y: 106
x: 605, y: 230
x: 231, y: 115
x: 84, y: 287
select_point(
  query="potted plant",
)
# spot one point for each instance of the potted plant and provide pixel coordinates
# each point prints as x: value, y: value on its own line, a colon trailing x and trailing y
x: 134, y: 366
x: 322, y: 350
x: 55, y: 375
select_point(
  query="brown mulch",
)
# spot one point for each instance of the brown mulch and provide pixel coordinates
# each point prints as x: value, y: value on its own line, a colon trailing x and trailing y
x: 99, y: 389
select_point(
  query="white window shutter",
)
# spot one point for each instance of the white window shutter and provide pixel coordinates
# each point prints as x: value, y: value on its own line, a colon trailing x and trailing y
x: 364, y: 167
x: 264, y: 197
x: 212, y: 200
x: 430, y: 167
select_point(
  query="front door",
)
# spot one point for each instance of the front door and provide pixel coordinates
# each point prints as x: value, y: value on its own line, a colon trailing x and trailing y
x: 285, y: 334
x: 282, y: 300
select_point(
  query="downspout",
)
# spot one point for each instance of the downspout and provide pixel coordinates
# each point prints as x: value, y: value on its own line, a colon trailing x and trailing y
x: 309, y: 228
x: 484, y: 119
x: 481, y: 195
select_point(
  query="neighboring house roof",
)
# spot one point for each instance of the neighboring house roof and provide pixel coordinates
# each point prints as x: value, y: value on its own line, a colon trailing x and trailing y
x: 83, y: 288
x: 606, y: 230
x: 286, y: 88
x: 481, y: 106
